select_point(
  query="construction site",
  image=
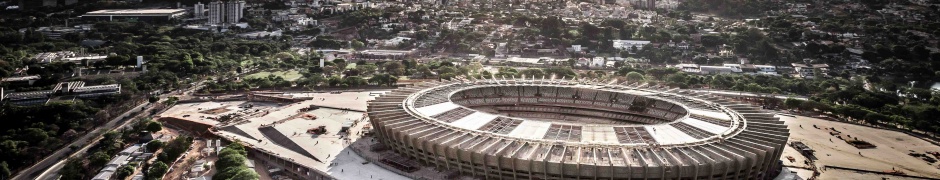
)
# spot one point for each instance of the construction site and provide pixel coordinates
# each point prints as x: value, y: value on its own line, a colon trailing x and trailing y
x: 289, y: 135
x: 329, y: 135
x: 849, y: 151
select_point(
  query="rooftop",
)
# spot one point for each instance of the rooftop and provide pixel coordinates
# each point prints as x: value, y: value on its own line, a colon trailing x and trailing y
x: 22, y: 78
x: 290, y: 127
x: 107, y: 12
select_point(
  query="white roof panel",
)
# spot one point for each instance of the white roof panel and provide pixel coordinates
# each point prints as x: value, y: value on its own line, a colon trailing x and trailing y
x: 474, y: 121
x: 641, y: 93
x: 531, y: 129
x: 712, y: 114
x: 712, y: 128
x: 437, y: 108
x: 599, y: 134
x: 666, y: 134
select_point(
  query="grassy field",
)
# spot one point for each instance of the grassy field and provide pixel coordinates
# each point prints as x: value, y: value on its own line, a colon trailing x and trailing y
x: 289, y: 75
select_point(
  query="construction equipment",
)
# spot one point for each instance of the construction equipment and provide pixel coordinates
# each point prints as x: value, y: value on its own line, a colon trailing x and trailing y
x: 318, y: 130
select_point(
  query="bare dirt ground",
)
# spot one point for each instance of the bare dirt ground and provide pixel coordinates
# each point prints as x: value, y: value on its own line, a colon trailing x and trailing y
x: 217, y: 111
x: 892, y: 151
x: 182, y: 168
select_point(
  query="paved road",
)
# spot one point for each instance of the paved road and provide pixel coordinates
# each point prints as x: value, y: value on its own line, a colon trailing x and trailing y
x: 57, y: 159
x: 48, y: 168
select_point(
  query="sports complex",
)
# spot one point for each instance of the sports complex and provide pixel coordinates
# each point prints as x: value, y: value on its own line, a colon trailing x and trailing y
x: 548, y: 128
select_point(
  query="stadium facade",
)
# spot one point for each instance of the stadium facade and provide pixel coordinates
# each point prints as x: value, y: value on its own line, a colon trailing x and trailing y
x: 577, y: 129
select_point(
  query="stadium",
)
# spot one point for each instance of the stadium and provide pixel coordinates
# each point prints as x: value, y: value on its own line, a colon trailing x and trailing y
x: 509, y: 128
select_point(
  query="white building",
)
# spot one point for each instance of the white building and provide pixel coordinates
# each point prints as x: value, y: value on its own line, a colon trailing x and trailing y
x: 598, y: 62
x: 736, y: 68
x: 234, y: 11
x: 199, y: 10
x: 766, y: 69
x: 808, y: 71
x: 226, y: 12
x: 629, y: 44
x: 716, y: 70
x: 215, y: 12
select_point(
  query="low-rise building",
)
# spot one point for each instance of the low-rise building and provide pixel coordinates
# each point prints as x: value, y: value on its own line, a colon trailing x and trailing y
x: 72, y: 89
x: 67, y: 56
x: 629, y: 44
x: 725, y: 51
x: 260, y: 34
x: 377, y: 55
x: 716, y: 70
x: 735, y: 68
x: 21, y: 80
x: 598, y: 62
x: 766, y: 69
x: 149, y: 15
x: 809, y: 71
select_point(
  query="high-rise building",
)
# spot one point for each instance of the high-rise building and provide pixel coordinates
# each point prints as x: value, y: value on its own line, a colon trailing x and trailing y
x: 645, y: 4
x: 215, y: 12
x: 199, y: 10
x: 234, y: 11
x: 226, y: 12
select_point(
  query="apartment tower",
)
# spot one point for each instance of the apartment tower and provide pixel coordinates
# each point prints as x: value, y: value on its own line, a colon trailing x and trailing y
x: 226, y: 12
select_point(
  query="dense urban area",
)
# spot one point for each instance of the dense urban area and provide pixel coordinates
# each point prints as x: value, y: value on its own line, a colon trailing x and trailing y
x: 195, y: 89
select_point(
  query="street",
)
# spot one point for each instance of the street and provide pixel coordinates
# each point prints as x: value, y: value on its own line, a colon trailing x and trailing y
x: 57, y: 159
x: 47, y: 169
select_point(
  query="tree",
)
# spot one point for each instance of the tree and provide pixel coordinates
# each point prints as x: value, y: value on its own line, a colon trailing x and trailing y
x: 175, y: 148
x: 124, y: 172
x: 634, y: 77
x: 791, y: 103
x: 533, y: 72
x: 232, y: 163
x: 4, y: 170
x: 560, y: 72
x: 357, y: 44
x: 446, y: 70
x: 678, y: 79
x: 335, y: 81
x: 245, y: 174
x: 384, y: 79
x: 116, y: 60
x: 507, y: 72
x: 72, y: 170
x: 35, y: 135
x: 157, y: 170
x: 153, y: 99
x: 355, y: 81
x: 236, y: 173
x: 424, y: 70
x: 154, y: 126
x: 155, y: 145
x: 475, y: 67
x: 394, y: 68
x: 367, y: 69
x: 99, y: 159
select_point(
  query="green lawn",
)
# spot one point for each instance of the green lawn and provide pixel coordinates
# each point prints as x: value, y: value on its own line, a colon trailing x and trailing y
x: 289, y: 75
